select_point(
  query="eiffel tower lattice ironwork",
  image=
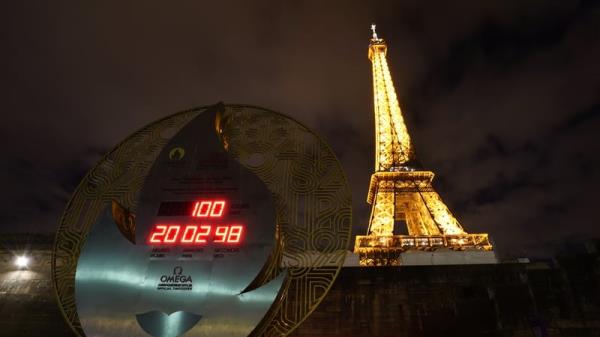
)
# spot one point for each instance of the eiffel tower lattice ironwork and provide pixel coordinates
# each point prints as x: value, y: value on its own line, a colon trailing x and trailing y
x: 400, y: 191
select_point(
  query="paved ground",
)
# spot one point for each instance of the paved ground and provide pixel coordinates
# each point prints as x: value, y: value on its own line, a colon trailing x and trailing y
x: 27, y: 303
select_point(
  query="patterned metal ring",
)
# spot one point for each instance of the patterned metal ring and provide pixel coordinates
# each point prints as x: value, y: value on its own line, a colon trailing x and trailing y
x: 312, y: 198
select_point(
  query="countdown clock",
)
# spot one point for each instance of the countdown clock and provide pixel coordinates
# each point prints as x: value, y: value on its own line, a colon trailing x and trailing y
x: 226, y: 220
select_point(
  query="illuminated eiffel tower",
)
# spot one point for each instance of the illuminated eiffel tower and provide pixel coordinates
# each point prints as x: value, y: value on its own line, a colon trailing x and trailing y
x: 400, y: 191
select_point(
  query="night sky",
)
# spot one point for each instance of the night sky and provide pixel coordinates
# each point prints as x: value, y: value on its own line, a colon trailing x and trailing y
x: 502, y: 98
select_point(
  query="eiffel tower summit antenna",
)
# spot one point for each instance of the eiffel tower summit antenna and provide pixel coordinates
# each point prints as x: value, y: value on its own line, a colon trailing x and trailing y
x: 400, y: 191
x: 373, y: 26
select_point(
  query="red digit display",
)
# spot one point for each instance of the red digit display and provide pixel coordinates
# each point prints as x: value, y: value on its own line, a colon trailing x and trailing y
x: 208, y: 209
x: 221, y: 233
x: 199, y: 234
x: 172, y: 234
x: 235, y: 234
x: 204, y: 233
x: 196, y: 234
x: 158, y: 234
x: 188, y: 234
x: 217, y: 209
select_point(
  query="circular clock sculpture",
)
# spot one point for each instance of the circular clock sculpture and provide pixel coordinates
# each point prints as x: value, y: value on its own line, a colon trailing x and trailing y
x: 226, y: 220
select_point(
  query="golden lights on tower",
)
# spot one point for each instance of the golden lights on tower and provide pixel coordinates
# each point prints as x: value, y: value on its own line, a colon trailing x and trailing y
x: 400, y: 192
x: 392, y: 142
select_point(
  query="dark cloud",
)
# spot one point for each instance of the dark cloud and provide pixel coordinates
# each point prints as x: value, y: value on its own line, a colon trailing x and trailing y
x: 501, y: 98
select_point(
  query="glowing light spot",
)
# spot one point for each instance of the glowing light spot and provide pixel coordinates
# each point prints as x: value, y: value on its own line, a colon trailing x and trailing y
x: 22, y: 261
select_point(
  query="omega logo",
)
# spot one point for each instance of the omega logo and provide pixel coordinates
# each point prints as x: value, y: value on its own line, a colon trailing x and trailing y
x: 175, y: 281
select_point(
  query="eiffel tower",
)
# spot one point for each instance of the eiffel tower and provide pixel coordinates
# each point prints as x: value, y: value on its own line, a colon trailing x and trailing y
x: 400, y: 190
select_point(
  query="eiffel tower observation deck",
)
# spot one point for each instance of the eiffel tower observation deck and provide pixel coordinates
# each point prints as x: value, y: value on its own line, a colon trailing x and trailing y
x: 400, y: 190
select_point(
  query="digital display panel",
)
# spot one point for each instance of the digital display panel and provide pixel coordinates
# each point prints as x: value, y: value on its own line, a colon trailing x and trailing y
x: 198, y: 233
x: 195, y: 234
x: 201, y: 208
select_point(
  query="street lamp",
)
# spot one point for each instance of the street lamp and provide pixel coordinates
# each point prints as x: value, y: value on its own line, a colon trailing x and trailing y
x: 22, y: 261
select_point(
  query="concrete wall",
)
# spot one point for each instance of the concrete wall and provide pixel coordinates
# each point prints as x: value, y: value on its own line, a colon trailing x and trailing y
x: 458, y: 300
